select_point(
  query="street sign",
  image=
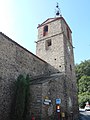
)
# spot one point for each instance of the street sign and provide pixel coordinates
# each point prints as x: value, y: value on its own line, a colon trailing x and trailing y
x: 46, y: 100
x: 46, y: 103
x: 58, y: 107
x: 63, y: 114
x: 58, y: 101
x: 58, y: 110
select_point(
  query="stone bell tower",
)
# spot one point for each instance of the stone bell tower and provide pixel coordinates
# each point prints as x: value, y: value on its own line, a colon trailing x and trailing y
x: 54, y: 45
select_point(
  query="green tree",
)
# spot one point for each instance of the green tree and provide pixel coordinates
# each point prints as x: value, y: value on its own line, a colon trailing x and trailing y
x: 83, y: 82
x: 20, y: 98
x: 82, y: 69
x: 27, y: 98
x: 83, y: 98
x: 20, y: 102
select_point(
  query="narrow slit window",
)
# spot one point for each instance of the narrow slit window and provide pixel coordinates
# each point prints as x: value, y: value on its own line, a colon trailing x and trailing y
x: 45, y: 30
x: 48, y: 44
x: 70, y: 68
x: 68, y: 33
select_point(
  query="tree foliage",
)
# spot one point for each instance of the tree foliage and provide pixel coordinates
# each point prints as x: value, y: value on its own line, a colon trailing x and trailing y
x: 83, y: 81
x: 20, y: 102
x: 83, y: 69
x: 84, y: 84
x: 83, y: 98
x: 27, y: 96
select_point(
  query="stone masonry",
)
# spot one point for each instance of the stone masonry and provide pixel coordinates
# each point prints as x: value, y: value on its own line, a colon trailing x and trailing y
x: 52, y: 71
x: 54, y: 45
x: 15, y: 60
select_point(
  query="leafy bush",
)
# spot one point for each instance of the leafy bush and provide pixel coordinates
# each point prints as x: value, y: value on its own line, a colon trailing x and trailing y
x: 83, y: 98
x: 83, y: 82
x: 20, y: 102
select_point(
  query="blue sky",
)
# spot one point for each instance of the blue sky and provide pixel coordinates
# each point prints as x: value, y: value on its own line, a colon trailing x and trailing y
x: 19, y: 20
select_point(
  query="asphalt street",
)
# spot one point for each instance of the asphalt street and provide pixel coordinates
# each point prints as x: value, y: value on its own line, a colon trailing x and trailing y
x: 84, y: 115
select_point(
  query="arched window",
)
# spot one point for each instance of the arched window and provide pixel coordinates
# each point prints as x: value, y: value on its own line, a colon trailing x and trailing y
x: 45, y: 30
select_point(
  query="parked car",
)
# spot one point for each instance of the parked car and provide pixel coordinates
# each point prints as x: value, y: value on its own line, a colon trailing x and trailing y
x: 87, y: 108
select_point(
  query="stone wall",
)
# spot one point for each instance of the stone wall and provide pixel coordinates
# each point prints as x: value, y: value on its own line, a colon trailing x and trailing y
x: 53, y: 54
x: 50, y: 81
x: 50, y: 88
x: 15, y: 60
x: 59, y: 54
x: 54, y: 27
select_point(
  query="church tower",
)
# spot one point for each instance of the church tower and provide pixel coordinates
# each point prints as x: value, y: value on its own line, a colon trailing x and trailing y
x: 54, y: 44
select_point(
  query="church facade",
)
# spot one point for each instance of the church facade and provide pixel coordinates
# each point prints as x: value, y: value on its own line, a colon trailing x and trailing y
x: 52, y: 70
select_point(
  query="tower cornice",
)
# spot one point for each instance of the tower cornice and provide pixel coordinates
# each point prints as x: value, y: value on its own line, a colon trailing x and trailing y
x: 49, y: 20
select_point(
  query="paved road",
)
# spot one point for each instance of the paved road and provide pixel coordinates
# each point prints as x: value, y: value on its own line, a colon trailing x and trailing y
x: 84, y: 115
